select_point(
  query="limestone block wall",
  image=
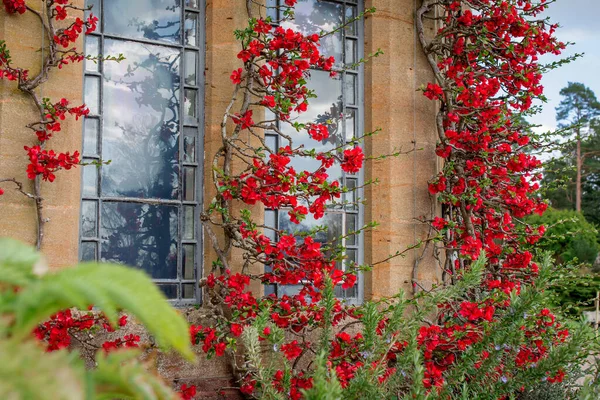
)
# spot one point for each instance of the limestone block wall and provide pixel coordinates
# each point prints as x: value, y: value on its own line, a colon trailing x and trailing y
x: 24, y: 38
x: 407, y: 122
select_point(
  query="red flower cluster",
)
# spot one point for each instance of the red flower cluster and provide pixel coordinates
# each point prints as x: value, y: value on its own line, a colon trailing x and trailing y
x: 208, y: 336
x: 187, y: 392
x: 128, y: 341
x: 69, y: 35
x: 47, y: 162
x: 15, y: 6
x: 57, y: 332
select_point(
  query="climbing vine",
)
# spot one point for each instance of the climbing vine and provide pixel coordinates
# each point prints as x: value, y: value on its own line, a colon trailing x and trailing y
x: 62, y: 30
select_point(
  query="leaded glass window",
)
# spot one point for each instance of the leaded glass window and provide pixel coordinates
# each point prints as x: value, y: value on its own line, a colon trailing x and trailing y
x: 339, y: 106
x: 142, y: 208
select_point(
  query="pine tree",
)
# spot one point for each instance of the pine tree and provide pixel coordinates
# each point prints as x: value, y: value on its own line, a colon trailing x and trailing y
x: 576, y: 111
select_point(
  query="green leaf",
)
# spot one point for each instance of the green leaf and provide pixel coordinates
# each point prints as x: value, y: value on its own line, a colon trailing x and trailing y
x: 27, y: 372
x: 110, y: 288
x: 17, y: 261
x: 119, y: 375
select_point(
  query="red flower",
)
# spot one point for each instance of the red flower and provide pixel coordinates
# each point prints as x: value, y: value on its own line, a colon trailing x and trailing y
x: 268, y: 101
x: 433, y: 91
x: 318, y: 132
x: 14, y: 6
x: 244, y: 120
x: 194, y: 331
x: 220, y: 348
x: 291, y: 350
x: 236, y: 76
x: 187, y: 392
x: 353, y: 160
x: 248, y: 386
x: 236, y: 329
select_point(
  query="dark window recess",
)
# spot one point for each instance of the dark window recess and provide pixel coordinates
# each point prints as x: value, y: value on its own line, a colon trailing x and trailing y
x: 145, y: 118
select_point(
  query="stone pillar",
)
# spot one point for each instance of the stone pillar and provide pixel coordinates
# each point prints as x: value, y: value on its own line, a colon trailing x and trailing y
x: 222, y: 18
x: 407, y: 121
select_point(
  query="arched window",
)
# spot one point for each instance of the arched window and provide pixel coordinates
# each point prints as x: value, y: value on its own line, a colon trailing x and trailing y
x: 141, y: 195
x: 339, y: 104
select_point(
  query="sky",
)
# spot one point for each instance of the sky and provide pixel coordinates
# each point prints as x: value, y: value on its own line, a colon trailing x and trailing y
x: 579, y: 23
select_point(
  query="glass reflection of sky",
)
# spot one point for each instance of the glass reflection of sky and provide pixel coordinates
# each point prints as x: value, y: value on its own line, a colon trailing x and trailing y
x: 326, y: 109
x: 331, y: 221
x: 141, y: 121
x: 312, y: 16
x: 147, y: 19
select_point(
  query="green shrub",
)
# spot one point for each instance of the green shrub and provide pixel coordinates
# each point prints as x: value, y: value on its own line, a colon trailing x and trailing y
x: 569, y: 236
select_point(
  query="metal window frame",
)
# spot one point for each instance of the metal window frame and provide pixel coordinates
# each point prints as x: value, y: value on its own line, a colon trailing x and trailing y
x: 198, y: 164
x: 359, y: 110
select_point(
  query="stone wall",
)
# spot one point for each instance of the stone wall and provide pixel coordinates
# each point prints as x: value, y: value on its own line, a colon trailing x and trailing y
x: 23, y: 36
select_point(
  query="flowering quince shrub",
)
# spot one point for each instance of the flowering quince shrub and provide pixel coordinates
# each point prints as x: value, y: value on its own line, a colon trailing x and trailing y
x: 492, y: 336
x: 59, y: 22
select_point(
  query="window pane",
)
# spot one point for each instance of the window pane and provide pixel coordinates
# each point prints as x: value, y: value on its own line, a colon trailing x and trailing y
x: 190, y: 106
x: 92, y: 44
x: 271, y: 142
x: 90, y: 136
x: 350, y: 124
x: 192, y: 3
x: 351, y: 259
x: 153, y: 20
x: 90, y: 180
x: 89, y: 216
x: 325, y: 109
x: 351, y: 196
x: 88, y: 251
x: 92, y: 94
x: 141, y: 122
x: 191, y: 24
x: 271, y: 221
x: 272, y: 9
x: 350, y: 88
x: 188, y: 291
x: 189, y: 183
x: 351, y: 27
x: 141, y: 235
x: 332, y: 222
x: 189, y: 222
x: 191, y: 62
x: 289, y: 290
x: 314, y: 16
x: 189, y: 144
x: 351, y: 226
x: 189, y: 261
x: 170, y: 291
x: 351, y: 57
